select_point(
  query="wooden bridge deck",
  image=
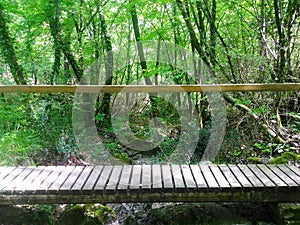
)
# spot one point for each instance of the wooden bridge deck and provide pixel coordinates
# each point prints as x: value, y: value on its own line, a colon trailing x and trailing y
x: 150, y: 183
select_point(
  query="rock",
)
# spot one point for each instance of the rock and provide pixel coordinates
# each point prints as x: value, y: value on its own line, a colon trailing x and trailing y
x: 194, y: 214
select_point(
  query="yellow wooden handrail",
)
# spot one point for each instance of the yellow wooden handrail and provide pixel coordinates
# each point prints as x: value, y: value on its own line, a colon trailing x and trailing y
x: 147, y: 88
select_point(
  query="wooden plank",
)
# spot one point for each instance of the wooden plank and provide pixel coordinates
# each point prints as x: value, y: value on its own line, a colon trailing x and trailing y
x: 10, y: 177
x: 114, y: 178
x: 188, y: 177
x: 38, y: 180
x: 240, y: 176
x: 223, y: 183
x: 103, y: 179
x: 209, y: 177
x: 289, y: 172
x: 146, y: 177
x: 167, y: 177
x: 254, y: 180
x: 230, y: 176
x: 21, y: 187
x: 284, y: 177
x: 262, y: 177
x: 64, y: 174
x: 177, y: 177
x: 54, y: 172
x: 125, y: 178
x: 157, y: 179
x: 296, y: 170
x: 82, y: 179
x: 135, y: 182
x: 5, y: 168
x: 72, y: 178
x: 93, y: 178
x: 272, y: 176
x: 10, y: 186
x: 198, y: 176
x: 147, y: 88
x: 5, y: 173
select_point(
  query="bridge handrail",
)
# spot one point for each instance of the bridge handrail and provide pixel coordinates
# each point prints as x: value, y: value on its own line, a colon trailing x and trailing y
x: 148, y: 88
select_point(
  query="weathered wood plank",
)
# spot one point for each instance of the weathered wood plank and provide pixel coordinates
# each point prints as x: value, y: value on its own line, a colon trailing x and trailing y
x: 229, y: 176
x: 38, y: 180
x: 295, y: 177
x: 5, y: 171
x: 282, y: 176
x: 296, y: 170
x: 125, y: 178
x: 198, y: 176
x: 114, y: 178
x: 157, y: 179
x: 64, y: 174
x: 261, y: 176
x: 135, y: 182
x: 146, y: 177
x: 251, y: 176
x: 275, y: 179
x: 70, y: 181
x: 209, y: 177
x: 103, y: 179
x: 147, y: 88
x: 21, y: 187
x: 177, y: 177
x: 82, y: 179
x: 240, y: 176
x: 188, y: 177
x: 47, y: 179
x: 10, y: 186
x: 167, y: 177
x: 220, y: 178
x: 9, y: 177
x: 93, y: 178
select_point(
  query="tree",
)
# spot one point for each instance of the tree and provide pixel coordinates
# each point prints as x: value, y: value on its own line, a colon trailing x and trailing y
x: 8, y: 51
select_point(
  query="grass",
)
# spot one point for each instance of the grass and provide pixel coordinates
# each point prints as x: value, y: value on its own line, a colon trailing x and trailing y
x: 17, y: 146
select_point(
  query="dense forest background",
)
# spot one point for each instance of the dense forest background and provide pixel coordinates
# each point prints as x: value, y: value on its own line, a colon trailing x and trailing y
x: 55, y: 42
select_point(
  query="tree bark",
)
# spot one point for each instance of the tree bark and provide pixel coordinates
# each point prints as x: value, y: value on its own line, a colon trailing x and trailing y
x: 109, y: 66
x: 53, y: 14
x: 8, y: 51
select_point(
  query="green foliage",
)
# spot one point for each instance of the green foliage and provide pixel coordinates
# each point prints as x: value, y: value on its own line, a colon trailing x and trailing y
x: 232, y: 145
x: 271, y: 148
x: 35, y: 129
x: 286, y: 158
x: 39, y: 214
x: 87, y: 215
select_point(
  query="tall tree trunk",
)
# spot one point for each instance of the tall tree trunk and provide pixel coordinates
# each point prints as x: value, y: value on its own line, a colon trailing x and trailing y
x: 53, y: 14
x: 213, y: 35
x: 8, y: 51
x: 281, y: 44
x: 142, y: 58
x: 109, y: 66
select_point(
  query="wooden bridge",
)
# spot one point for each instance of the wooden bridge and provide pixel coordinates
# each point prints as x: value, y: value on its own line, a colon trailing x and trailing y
x: 150, y: 183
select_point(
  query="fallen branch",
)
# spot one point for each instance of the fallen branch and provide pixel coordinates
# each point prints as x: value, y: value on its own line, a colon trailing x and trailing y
x: 246, y: 109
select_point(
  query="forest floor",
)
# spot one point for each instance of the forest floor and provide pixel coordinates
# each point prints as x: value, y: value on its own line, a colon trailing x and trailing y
x: 148, y: 214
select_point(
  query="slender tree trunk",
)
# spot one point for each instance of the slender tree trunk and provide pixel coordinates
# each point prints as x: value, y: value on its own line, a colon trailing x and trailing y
x: 281, y: 45
x: 53, y: 16
x: 109, y: 65
x: 213, y: 35
x: 194, y: 40
x: 142, y: 58
x: 8, y: 51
